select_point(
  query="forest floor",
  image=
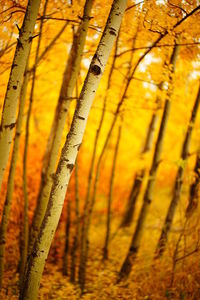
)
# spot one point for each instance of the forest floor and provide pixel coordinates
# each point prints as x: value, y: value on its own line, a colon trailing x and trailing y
x: 147, y: 280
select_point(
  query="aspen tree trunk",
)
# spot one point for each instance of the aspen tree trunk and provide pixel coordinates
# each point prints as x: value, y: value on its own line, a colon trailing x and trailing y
x: 77, y: 230
x: 25, y: 238
x: 69, y: 153
x: 178, y: 182
x: 129, y: 211
x: 148, y: 195
x: 110, y: 196
x: 10, y: 185
x: 8, y: 121
x: 91, y: 171
x: 194, y: 189
x: 68, y: 84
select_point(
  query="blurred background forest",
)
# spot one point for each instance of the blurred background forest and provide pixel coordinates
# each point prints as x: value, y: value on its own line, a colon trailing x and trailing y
x: 150, y: 87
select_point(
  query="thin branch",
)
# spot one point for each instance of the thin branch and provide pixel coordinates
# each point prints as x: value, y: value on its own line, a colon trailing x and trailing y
x: 163, y: 35
x: 183, y: 10
x: 188, y: 254
x: 134, y: 5
x: 158, y: 46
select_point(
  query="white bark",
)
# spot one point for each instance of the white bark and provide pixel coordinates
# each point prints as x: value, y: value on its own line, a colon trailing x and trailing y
x: 70, y: 151
x: 8, y: 121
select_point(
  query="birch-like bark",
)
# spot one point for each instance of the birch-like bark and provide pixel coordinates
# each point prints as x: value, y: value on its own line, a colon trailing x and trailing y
x: 25, y: 238
x: 68, y: 84
x: 8, y: 121
x: 10, y: 185
x: 69, y: 153
x: 110, y: 196
x: 178, y: 182
x: 148, y: 195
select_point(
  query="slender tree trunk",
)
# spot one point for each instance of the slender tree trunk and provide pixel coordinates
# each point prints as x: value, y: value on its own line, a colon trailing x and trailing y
x: 178, y: 183
x: 130, y: 208
x: 67, y: 231
x: 48, y: 48
x: 69, y: 153
x: 25, y: 238
x: 91, y: 171
x: 68, y: 84
x: 8, y: 121
x: 194, y: 190
x: 137, y: 183
x: 10, y: 186
x: 110, y: 196
x: 148, y: 195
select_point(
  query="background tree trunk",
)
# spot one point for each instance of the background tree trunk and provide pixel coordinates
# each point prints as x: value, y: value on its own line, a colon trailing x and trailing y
x: 110, y: 196
x: 178, y: 183
x: 148, y: 195
x: 194, y: 190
